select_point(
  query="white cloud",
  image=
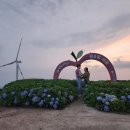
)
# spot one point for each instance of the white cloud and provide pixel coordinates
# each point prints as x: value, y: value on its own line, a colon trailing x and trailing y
x: 56, y: 27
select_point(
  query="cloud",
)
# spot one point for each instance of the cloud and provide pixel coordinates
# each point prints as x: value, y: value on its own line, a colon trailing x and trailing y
x: 55, y: 27
x: 120, y: 64
x: 65, y: 34
x: 1, y: 48
x: 66, y: 23
x: 35, y: 11
x: 111, y: 30
x: 117, y: 26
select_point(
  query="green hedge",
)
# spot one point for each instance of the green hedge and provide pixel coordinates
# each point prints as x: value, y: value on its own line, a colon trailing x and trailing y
x: 39, y: 93
x: 108, y: 96
x: 103, y: 95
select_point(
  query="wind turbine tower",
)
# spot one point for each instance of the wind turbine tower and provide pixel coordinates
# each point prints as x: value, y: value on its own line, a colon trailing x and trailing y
x: 18, y: 69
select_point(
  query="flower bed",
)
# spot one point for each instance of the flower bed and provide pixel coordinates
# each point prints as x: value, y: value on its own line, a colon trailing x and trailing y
x: 39, y: 93
x: 56, y: 94
x: 108, y: 96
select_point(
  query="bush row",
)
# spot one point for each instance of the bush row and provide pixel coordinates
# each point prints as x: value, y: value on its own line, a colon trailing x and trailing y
x: 108, y: 96
x: 39, y: 93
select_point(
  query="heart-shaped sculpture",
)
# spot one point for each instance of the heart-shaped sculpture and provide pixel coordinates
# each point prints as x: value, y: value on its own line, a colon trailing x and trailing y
x: 89, y: 56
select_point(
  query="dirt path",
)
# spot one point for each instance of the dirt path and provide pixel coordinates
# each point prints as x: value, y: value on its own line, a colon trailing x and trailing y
x: 76, y: 116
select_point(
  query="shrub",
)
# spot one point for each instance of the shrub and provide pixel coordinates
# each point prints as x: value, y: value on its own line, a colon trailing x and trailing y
x: 118, y: 106
x: 108, y: 96
x: 39, y: 93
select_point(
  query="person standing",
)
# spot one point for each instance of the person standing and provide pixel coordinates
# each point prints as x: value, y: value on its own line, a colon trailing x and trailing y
x: 78, y: 78
x: 86, y: 76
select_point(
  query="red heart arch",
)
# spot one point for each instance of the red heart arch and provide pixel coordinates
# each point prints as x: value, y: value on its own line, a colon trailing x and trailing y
x: 89, y: 56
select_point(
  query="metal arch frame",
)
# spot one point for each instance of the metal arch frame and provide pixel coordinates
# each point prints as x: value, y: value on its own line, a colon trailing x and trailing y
x: 89, y: 56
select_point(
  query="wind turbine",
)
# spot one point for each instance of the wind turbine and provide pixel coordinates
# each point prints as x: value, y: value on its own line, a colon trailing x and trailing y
x: 18, y: 69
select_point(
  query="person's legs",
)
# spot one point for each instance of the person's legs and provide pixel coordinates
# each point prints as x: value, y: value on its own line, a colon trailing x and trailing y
x: 78, y: 80
x: 85, y: 83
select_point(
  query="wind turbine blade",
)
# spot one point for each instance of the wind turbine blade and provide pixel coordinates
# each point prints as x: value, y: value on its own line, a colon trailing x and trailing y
x: 20, y: 71
x: 18, y: 49
x: 8, y: 64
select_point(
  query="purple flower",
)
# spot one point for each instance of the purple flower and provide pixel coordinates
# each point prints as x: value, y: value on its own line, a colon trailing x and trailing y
x: 4, y: 95
x: 55, y: 106
x: 103, y: 100
x: 71, y: 98
x: 24, y: 93
x: 45, y: 90
x: 128, y: 97
x: 123, y: 98
x: 52, y: 99
x: 107, y: 103
x: 99, y: 98
x: 15, y: 101
x: 44, y: 100
x: 106, y: 108
x: 27, y: 103
x: 48, y: 95
x: 112, y: 99
x: 30, y: 94
x: 106, y: 95
x: 12, y: 93
x: 35, y: 99
x: 51, y: 103
x: 31, y: 90
x: 41, y: 103
x: 56, y: 102
x: 44, y: 95
x: 57, y: 99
